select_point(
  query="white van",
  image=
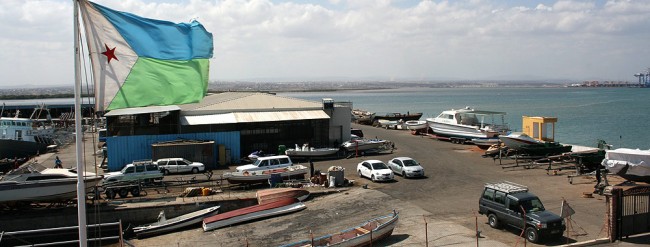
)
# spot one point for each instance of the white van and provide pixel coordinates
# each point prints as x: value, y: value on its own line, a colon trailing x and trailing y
x: 268, y: 162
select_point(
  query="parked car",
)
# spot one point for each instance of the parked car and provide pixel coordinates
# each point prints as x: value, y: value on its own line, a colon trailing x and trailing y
x: 144, y: 170
x: 179, y: 165
x: 405, y: 166
x: 503, y: 203
x: 267, y: 162
x: 376, y: 170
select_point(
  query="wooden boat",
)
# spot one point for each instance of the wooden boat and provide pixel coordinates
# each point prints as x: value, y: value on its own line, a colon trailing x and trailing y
x: 276, y: 194
x: 168, y: 225
x: 262, y: 176
x: 284, y: 206
x: 365, y: 234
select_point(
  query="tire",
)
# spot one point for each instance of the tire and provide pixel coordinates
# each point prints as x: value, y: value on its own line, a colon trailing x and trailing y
x: 195, y: 170
x: 135, y: 191
x: 493, y: 221
x: 360, y: 175
x: 403, y: 174
x: 166, y: 172
x: 123, y: 192
x: 110, y: 194
x: 372, y: 177
x: 531, y: 235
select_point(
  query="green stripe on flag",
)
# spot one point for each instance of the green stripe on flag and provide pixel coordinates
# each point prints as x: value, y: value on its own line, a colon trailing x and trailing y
x: 163, y: 82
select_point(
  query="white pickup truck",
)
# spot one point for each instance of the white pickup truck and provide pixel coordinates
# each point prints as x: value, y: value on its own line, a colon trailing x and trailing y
x: 141, y: 170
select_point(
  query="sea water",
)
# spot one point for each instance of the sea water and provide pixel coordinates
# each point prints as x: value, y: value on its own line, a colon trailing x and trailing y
x: 619, y: 116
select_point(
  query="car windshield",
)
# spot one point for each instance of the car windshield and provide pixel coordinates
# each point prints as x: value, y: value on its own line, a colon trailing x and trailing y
x: 379, y: 166
x: 257, y: 163
x: 410, y: 163
x: 534, y: 205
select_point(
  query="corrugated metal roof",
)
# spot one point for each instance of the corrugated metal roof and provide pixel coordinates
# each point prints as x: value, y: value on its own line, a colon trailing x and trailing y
x: 141, y: 110
x: 230, y: 102
x: 250, y: 117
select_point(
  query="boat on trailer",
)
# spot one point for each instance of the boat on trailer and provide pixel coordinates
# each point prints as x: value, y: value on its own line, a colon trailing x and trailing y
x: 363, y: 235
x: 284, y: 206
x: 169, y: 225
x: 277, y: 194
x: 263, y: 176
x: 307, y: 151
x: 468, y: 124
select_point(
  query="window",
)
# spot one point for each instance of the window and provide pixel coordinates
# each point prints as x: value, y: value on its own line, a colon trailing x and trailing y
x: 500, y: 197
x: 139, y: 168
x: 264, y: 163
x: 128, y: 170
x: 274, y: 162
x: 152, y: 167
x: 284, y: 161
x: 514, y: 205
x: 488, y: 194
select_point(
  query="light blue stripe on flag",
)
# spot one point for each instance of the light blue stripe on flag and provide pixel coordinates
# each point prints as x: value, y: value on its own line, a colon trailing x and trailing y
x: 161, y: 39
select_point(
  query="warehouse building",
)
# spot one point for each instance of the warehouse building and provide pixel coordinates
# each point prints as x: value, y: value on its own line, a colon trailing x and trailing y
x: 223, y: 128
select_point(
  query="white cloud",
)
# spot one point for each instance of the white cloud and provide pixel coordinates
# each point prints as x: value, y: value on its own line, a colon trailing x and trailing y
x: 336, y: 38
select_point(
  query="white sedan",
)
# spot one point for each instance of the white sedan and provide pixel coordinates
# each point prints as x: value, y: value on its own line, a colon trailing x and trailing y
x: 179, y: 165
x: 407, y: 167
x: 376, y: 170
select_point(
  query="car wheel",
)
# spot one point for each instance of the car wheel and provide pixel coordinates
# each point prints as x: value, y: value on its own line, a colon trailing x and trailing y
x: 110, y: 194
x: 360, y: 175
x: 493, y: 221
x: 372, y: 177
x: 404, y: 174
x: 135, y: 191
x: 123, y: 193
x: 166, y: 172
x: 531, y: 235
x: 195, y: 170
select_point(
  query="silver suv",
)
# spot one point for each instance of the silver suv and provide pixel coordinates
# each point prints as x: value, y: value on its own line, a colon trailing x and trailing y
x: 140, y: 170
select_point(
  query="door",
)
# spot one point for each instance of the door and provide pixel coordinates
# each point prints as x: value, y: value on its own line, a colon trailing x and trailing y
x: 183, y: 166
x: 512, y: 214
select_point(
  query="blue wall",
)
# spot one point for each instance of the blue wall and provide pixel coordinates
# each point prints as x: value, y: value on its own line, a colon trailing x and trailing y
x: 123, y: 150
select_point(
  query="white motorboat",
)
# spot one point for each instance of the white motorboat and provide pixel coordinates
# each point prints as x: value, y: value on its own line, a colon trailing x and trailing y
x: 306, y: 151
x: 263, y: 176
x: 468, y: 123
x: 35, y: 183
x: 630, y: 164
x: 515, y: 140
x: 416, y: 124
x: 485, y: 143
x: 169, y: 225
x: 283, y: 206
x: 360, y: 144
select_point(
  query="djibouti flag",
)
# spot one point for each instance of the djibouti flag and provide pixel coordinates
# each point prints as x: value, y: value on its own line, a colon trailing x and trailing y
x: 143, y: 62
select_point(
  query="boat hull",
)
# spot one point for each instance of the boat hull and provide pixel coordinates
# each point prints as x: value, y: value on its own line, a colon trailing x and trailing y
x: 363, y: 235
x: 176, y: 223
x: 320, y: 152
x: 252, y: 213
x: 459, y: 131
x: 363, y: 145
x: 10, y: 149
x: 277, y: 194
x: 43, y: 191
x: 514, y: 142
x: 397, y: 117
x: 416, y: 124
x: 263, y: 176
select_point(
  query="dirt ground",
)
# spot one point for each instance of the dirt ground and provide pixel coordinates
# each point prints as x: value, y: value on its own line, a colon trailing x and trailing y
x: 447, y: 199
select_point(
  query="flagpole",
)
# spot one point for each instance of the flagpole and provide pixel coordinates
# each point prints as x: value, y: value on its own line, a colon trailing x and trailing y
x: 81, y: 189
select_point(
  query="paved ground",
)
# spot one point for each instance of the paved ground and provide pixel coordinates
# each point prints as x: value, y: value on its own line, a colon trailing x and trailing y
x: 447, y: 198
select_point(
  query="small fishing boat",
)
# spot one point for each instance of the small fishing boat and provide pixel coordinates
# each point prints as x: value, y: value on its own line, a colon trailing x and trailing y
x: 284, y: 206
x: 306, y: 151
x: 365, y: 234
x: 361, y: 144
x: 397, y: 116
x: 543, y: 149
x: 517, y: 139
x: 169, y: 225
x: 262, y: 176
x: 277, y: 194
x: 485, y: 143
x: 416, y: 124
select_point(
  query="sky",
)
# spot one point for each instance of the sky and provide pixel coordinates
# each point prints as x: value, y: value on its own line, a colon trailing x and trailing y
x: 348, y: 40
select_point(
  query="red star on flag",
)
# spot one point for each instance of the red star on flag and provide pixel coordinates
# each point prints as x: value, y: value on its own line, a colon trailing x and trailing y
x: 110, y: 53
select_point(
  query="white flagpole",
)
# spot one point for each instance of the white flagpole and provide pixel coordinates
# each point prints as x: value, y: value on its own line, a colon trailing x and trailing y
x: 81, y: 189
